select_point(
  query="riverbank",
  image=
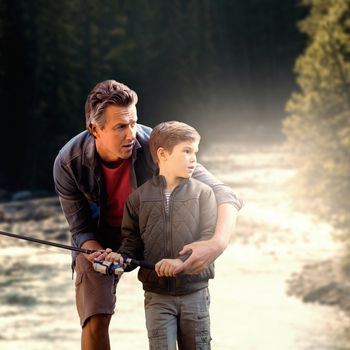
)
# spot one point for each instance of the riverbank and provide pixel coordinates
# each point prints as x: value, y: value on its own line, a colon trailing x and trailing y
x: 270, y: 222
x: 326, y: 282
x: 252, y: 306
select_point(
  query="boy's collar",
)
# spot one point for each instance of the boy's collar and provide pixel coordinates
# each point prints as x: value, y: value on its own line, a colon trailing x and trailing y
x: 160, y: 180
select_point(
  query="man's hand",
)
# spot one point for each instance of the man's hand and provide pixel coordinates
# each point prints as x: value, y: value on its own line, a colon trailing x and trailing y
x: 113, y: 257
x: 166, y: 267
x: 203, y: 254
x: 100, y: 254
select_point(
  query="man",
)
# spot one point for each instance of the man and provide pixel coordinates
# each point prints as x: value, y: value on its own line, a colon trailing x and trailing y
x: 94, y: 173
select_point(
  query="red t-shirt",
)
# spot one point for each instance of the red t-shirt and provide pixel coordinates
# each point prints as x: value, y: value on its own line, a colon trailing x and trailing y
x: 118, y: 188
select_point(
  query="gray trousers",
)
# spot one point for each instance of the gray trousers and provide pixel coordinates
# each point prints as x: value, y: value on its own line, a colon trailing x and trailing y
x: 184, y: 319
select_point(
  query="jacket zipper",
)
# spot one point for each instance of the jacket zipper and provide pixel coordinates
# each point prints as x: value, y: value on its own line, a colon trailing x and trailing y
x: 168, y: 230
x: 165, y: 218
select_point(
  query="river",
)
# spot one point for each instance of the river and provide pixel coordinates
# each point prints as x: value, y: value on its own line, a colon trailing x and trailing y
x: 250, y: 308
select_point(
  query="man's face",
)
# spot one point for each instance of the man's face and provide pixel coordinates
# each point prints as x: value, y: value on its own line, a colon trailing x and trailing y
x: 182, y: 161
x: 115, y: 141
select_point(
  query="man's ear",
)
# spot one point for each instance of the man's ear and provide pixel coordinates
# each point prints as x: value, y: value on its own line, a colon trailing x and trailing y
x: 162, y: 154
x: 94, y: 130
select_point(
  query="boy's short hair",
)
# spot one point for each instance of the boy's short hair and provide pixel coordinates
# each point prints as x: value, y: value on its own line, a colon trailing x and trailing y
x: 168, y: 134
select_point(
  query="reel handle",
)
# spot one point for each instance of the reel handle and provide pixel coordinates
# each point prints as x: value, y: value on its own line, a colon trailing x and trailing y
x: 108, y: 268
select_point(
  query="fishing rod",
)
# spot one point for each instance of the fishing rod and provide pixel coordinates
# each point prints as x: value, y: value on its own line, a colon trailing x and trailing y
x: 105, y: 267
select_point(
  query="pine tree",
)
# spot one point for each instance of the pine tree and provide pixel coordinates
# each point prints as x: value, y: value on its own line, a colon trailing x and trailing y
x: 318, y: 124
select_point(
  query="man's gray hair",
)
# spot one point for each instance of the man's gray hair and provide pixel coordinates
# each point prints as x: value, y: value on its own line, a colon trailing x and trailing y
x: 104, y: 94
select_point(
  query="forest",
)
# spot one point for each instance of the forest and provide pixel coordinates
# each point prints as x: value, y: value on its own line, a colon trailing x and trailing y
x: 265, y: 82
x: 318, y: 122
x: 224, y: 66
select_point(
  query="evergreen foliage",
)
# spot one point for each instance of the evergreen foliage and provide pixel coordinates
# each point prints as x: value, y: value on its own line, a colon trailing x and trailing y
x: 318, y: 125
x: 222, y: 63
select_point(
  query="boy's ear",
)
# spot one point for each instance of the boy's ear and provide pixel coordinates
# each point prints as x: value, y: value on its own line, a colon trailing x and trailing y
x: 162, y: 154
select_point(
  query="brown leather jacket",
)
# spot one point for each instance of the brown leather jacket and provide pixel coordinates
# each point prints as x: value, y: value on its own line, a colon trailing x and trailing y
x: 149, y: 233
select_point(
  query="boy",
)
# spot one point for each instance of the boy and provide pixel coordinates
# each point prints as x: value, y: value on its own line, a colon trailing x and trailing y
x: 164, y: 214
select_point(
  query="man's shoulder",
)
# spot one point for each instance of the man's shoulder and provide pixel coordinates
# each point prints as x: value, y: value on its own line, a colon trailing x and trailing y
x: 75, y: 146
x: 143, y: 132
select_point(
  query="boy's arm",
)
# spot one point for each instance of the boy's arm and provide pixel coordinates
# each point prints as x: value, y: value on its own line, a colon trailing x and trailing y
x: 132, y: 245
x: 203, y: 253
x: 208, y: 214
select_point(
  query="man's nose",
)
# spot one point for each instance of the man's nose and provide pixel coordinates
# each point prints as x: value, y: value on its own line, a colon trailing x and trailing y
x: 193, y: 158
x: 130, y: 132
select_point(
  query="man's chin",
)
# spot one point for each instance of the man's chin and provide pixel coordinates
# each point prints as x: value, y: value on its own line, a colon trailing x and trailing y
x: 125, y: 154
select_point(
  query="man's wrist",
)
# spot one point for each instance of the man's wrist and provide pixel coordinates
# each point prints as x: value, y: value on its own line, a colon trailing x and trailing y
x: 83, y: 237
x: 219, y: 243
x: 91, y: 244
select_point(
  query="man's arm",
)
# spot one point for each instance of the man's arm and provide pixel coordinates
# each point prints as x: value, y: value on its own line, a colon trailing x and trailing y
x: 75, y: 208
x: 223, y: 194
x: 205, y: 252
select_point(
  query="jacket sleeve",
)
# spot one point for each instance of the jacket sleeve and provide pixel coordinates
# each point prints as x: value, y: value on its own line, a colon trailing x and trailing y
x: 207, y: 217
x: 208, y: 214
x: 74, y: 205
x: 132, y: 244
x: 223, y: 194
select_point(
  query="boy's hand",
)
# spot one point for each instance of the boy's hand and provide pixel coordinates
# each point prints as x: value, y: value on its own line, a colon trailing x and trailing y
x: 166, y: 267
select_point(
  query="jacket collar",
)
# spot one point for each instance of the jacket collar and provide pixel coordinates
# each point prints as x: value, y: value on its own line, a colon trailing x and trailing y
x: 159, y: 180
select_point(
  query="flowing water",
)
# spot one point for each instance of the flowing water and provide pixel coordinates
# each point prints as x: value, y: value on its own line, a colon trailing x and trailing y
x: 249, y: 305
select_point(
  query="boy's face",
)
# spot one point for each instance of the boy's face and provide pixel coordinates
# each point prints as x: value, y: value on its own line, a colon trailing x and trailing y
x: 182, y: 161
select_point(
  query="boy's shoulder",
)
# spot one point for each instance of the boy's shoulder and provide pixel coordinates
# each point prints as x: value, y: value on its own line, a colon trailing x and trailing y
x: 135, y: 195
x: 150, y: 190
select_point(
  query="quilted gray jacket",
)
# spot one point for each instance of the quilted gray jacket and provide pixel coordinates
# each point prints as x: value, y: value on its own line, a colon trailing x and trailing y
x: 150, y: 233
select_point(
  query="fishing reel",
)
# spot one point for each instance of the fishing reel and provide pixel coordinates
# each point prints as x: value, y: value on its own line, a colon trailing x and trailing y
x: 108, y: 268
